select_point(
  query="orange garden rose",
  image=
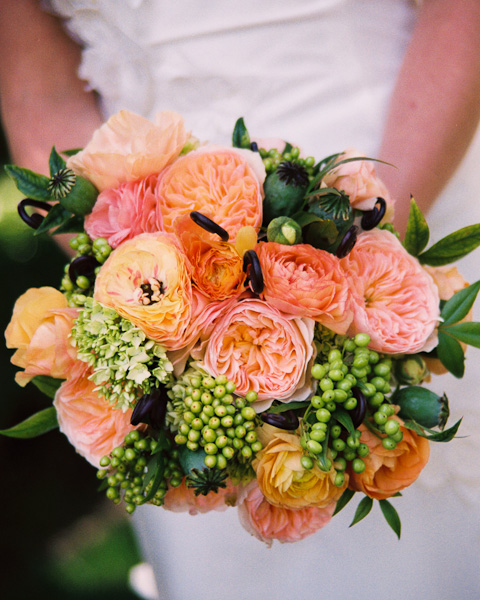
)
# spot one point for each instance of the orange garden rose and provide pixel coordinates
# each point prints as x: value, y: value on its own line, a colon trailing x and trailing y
x: 91, y: 424
x: 390, y: 471
x: 39, y: 329
x: 147, y: 281
x: 183, y: 499
x: 394, y: 299
x: 267, y: 522
x: 121, y: 213
x: 285, y: 483
x: 262, y: 349
x: 129, y: 147
x: 306, y: 282
x: 222, y: 181
x: 217, y: 268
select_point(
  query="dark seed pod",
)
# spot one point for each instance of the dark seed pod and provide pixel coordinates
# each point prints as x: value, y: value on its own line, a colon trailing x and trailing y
x: 292, y: 174
x: 358, y: 413
x: 287, y: 420
x: 209, y: 225
x: 34, y: 221
x: 251, y: 266
x: 83, y: 265
x: 254, y: 147
x: 348, y: 242
x: 371, y: 218
x: 151, y: 409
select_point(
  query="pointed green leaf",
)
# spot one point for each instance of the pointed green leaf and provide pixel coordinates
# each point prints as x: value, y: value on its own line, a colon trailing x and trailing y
x: 468, y: 333
x: 417, y: 234
x: 31, y: 184
x: 363, y: 508
x: 240, y: 137
x: 279, y: 408
x: 56, y: 216
x: 344, y: 500
x: 288, y: 148
x: 434, y: 436
x: 47, y: 385
x: 55, y: 162
x: 158, y: 470
x: 452, y: 247
x: 36, y: 425
x: 73, y: 225
x: 71, y: 152
x: 451, y: 354
x: 459, y: 305
x: 344, y: 419
x: 391, y: 516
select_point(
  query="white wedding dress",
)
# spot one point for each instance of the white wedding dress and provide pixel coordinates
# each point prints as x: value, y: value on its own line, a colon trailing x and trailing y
x: 318, y: 73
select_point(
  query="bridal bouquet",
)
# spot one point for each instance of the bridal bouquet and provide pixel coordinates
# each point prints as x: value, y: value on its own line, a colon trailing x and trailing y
x: 240, y: 326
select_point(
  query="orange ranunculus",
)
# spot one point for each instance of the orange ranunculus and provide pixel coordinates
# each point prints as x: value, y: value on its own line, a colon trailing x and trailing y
x: 39, y: 329
x: 91, y: 424
x: 147, y: 281
x: 359, y: 180
x: 285, y: 483
x: 267, y: 522
x: 262, y: 349
x: 124, y: 212
x: 129, y: 147
x: 217, y: 268
x: 183, y: 499
x: 224, y: 182
x: 306, y: 282
x: 390, y: 471
x: 394, y: 299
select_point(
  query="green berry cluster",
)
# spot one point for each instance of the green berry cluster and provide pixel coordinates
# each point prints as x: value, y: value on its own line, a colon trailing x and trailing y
x: 125, y: 472
x: 355, y: 379
x: 212, y: 418
x: 272, y: 158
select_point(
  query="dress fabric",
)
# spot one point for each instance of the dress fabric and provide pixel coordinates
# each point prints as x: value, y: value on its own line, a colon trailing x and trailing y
x: 318, y: 73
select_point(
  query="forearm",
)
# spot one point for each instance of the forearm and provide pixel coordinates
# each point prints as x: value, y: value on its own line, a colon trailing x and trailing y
x: 42, y: 100
x: 435, y: 108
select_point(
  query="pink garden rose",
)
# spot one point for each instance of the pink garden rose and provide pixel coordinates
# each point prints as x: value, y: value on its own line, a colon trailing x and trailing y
x: 124, y: 212
x: 129, y: 147
x: 394, y: 299
x: 267, y: 522
x: 306, y: 282
x: 225, y: 182
x: 262, y: 349
x: 91, y: 424
x: 39, y: 330
x: 183, y: 499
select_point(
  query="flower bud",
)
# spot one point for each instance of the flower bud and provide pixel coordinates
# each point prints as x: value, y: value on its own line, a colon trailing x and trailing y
x: 284, y: 230
x: 422, y: 405
x: 411, y: 370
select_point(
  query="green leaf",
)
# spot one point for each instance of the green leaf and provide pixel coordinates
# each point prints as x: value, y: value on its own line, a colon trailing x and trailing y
x: 344, y: 500
x: 47, y: 385
x: 240, y: 137
x: 38, y: 424
x: 279, y: 408
x: 158, y: 470
x: 29, y: 183
x: 391, y: 516
x: 72, y: 151
x: 288, y: 148
x: 344, y: 419
x: 417, y: 234
x: 55, y: 162
x: 451, y: 354
x: 363, y: 508
x: 459, y: 305
x: 468, y: 333
x: 73, y: 225
x: 56, y: 217
x: 434, y: 436
x: 452, y: 247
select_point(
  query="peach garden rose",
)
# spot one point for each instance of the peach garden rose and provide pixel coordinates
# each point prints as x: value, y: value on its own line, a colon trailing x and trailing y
x: 394, y: 299
x: 147, y: 281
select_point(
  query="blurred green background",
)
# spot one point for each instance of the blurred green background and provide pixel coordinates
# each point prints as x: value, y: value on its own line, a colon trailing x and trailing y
x: 58, y: 538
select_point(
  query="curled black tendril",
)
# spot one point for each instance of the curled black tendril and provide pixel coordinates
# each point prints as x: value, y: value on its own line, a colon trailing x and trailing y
x: 348, y: 242
x: 209, y: 225
x: 371, y: 218
x: 151, y: 409
x: 251, y: 266
x: 287, y: 420
x: 34, y: 221
x: 254, y: 147
x: 83, y: 265
x: 358, y: 413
